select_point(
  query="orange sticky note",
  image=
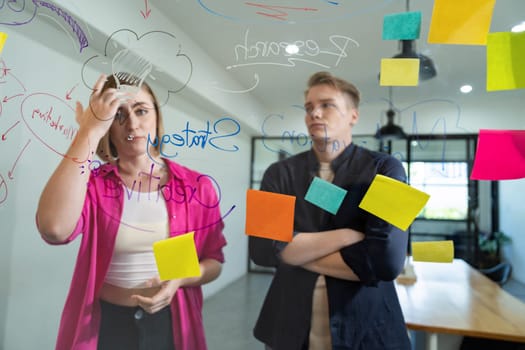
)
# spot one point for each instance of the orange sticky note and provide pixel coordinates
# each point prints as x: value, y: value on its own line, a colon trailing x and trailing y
x: 176, y: 257
x: 3, y: 38
x: 269, y: 215
x: 435, y: 251
x: 464, y: 22
x: 393, y: 201
x: 500, y: 155
x: 399, y: 72
x: 505, y: 61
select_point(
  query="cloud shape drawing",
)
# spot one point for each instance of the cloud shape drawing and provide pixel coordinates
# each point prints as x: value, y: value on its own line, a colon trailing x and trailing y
x: 156, y: 48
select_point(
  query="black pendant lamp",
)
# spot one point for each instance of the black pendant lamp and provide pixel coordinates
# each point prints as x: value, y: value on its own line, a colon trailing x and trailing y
x: 427, y: 69
x: 390, y: 131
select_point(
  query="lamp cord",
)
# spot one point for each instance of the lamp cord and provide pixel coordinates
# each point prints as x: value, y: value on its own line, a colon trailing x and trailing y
x: 390, y: 102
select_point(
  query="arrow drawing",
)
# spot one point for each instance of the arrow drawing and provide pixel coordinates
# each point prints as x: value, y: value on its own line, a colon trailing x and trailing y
x: 148, y: 10
x: 280, y: 14
x: 10, y: 97
x: 5, y: 133
x: 68, y: 94
x: 10, y: 172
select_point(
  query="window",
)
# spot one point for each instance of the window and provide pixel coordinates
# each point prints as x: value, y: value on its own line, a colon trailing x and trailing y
x: 438, y: 165
x: 447, y: 185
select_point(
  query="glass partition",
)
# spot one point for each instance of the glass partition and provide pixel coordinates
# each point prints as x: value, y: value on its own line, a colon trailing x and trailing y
x: 437, y: 165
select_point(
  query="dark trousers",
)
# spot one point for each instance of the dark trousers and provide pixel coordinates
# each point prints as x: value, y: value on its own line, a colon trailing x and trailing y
x: 132, y: 328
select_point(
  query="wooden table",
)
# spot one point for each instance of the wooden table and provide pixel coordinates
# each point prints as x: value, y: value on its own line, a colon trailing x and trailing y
x: 455, y: 298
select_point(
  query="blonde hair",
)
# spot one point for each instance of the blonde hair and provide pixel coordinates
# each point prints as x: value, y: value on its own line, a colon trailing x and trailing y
x: 106, y: 150
x: 342, y: 85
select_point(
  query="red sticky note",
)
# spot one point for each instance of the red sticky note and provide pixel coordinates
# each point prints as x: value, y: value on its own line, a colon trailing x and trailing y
x: 500, y: 155
x: 269, y: 215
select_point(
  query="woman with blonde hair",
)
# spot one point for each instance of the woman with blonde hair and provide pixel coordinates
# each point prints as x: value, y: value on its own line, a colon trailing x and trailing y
x: 116, y: 299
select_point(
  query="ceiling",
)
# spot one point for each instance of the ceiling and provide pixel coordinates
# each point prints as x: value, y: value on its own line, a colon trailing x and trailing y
x: 343, y: 37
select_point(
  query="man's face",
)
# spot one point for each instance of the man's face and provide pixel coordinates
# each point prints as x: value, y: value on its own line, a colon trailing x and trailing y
x: 330, y: 114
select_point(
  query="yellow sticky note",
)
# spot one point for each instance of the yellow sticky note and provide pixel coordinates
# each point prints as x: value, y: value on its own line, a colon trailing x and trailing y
x: 399, y: 72
x: 3, y: 38
x: 176, y: 257
x: 435, y: 251
x: 505, y: 61
x: 393, y: 201
x: 463, y: 22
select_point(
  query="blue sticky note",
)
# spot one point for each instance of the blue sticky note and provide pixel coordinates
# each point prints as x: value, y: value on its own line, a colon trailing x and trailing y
x: 325, y: 195
x: 402, y: 26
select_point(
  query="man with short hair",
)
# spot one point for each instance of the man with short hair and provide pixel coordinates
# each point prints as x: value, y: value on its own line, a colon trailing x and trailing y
x: 333, y: 285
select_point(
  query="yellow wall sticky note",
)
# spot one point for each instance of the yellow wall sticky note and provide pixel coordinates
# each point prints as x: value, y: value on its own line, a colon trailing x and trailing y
x: 393, y: 201
x: 460, y: 22
x: 399, y: 72
x: 3, y: 38
x: 176, y: 257
x: 435, y: 251
x: 505, y: 61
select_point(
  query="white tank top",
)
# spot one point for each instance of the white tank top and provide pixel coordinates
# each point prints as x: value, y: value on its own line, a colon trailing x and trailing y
x: 144, y: 221
x: 320, y: 337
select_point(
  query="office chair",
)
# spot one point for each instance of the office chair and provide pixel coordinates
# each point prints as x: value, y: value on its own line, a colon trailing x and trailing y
x: 499, y: 273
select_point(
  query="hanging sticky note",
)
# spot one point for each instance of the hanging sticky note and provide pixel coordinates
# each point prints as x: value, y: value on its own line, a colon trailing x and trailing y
x: 325, y: 195
x: 460, y: 22
x: 393, y: 201
x: 399, y: 72
x: 269, y: 215
x: 402, y: 26
x: 176, y: 257
x: 500, y: 155
x: 505, y: 61
x: 3, y: 38
x: 435, y: 251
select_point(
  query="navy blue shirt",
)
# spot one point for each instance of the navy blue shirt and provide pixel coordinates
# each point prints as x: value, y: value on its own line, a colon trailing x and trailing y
x: 363, y: 315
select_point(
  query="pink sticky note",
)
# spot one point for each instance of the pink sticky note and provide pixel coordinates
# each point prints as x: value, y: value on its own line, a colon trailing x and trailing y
x: 500, y: 155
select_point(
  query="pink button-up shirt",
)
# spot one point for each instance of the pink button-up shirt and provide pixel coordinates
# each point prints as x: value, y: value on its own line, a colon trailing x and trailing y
x: 192, y: 204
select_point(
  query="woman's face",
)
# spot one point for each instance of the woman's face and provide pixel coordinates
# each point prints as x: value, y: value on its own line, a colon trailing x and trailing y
x: 135, y: 120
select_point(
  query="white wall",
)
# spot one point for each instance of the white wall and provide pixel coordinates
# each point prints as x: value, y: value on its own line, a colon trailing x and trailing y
x: 44, y: 63
x: 512, y: 214
x: 43, y: 57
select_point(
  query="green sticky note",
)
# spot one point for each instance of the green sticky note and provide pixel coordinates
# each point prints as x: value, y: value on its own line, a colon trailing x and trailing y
x: 325, y: 195
x: 505, y: 61
x: 176, y: 257
x: 402, y: 26
x: 435, y: 251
